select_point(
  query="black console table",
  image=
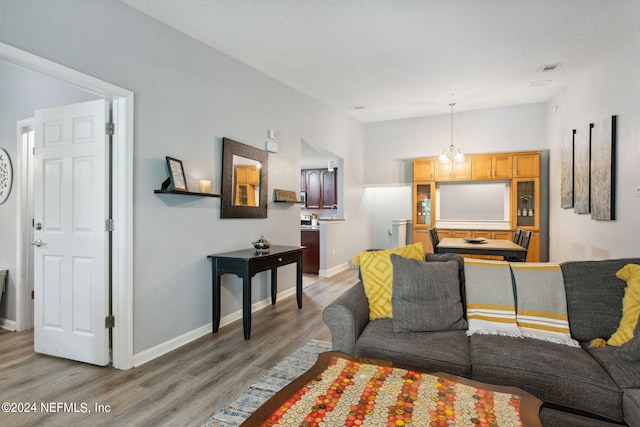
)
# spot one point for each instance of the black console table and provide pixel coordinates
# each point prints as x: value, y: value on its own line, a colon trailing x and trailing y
x: 245, y: 264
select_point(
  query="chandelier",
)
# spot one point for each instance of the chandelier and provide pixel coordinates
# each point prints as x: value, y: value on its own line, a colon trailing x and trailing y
x: 452, y: 153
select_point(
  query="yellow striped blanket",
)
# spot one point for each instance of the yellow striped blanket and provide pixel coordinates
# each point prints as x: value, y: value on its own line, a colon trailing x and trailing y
x: 490, y: 300
x: 542, y: 302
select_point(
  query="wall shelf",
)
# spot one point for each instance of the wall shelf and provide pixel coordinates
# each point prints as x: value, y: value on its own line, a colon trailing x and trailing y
x: 185, y: 193
x: 286, y: 196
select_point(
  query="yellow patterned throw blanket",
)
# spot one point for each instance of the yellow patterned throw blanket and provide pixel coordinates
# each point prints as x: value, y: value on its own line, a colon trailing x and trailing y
x: 491, y: 306
x: 518, y: 300
x: 542, y: 302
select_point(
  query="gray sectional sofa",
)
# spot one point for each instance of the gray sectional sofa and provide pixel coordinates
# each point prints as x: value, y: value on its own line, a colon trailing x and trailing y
x: 579, y: 386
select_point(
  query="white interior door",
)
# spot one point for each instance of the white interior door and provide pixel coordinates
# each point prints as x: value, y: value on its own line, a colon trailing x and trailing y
x: 71, y: 241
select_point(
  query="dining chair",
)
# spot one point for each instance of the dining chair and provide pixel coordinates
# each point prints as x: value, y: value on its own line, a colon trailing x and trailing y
x: 433, y: 235
x: 516, y: 236
x: 525, y: 239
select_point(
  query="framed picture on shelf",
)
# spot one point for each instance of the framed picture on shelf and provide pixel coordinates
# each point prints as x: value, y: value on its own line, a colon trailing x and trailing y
x: 176, y: 173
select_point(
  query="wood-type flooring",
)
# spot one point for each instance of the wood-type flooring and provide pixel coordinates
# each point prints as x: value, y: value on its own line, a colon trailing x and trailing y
x: 181, y: 388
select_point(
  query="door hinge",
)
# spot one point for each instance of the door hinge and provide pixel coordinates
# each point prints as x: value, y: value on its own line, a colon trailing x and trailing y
x: 109, y: 224
x: 33, y: 294
x: 110, y: 129
x: 110, y: 322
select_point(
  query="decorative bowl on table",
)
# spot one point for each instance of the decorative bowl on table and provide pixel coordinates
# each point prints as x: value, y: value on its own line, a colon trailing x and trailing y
x: 262, y: 246
x: 475, y: 240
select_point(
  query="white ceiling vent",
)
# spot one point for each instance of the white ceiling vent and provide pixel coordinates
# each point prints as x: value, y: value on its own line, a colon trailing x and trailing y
x: 550, y: 67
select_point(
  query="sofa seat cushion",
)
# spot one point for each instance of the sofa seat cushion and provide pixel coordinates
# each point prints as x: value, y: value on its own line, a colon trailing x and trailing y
x: 631, y: 404
x: 625, y: 373
x: 442, y: 351
x: 550, y: 417
x: 557, y: 374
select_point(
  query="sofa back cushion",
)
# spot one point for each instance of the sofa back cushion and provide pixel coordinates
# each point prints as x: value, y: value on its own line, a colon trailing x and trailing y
x: 426, y: 296
x: 594, y: 296
x: 457, y: 258
x: 377, y: 276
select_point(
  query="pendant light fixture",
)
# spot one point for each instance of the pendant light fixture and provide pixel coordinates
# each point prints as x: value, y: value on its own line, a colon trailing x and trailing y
x: 452, y: 153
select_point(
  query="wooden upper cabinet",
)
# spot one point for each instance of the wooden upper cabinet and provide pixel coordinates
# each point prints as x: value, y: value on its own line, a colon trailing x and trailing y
x: 423, y: 170
x: 462, y: 170
x: 321, y: 186
x: 453, y: 170
x: 526, y: 165
x: 314, y: 192
x: 442, y: 171
x: 502, y: 167
x: 329, y: 189
x: 491, y: 167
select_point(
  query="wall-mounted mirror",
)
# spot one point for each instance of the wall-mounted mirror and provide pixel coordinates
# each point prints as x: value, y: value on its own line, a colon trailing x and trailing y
x: 244, y: 181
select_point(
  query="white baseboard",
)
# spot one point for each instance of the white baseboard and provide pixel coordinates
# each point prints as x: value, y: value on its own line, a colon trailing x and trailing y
x: 334, y: 270
x: 177, y: 342
x: 9, y: 325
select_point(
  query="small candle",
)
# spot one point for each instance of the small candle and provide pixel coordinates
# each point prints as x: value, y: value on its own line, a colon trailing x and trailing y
x: 205, y: 185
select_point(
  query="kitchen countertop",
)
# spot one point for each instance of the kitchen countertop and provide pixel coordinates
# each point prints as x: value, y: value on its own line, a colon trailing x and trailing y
x: 310, y: 227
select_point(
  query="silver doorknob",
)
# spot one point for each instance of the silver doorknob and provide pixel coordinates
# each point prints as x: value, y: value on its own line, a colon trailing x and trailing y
x: 37, y: 243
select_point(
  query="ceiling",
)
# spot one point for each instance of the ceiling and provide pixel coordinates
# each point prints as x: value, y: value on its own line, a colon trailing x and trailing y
x: 381, y: 60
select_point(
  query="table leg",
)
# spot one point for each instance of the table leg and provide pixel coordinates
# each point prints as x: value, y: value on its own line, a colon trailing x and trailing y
x: 215, y: 299
x: 246, y: 306
x: 274, y: 284
x: 299, y: 281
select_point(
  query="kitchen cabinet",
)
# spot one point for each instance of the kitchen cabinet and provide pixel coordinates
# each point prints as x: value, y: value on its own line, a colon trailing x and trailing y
x: 312, y: 185
x: 526, y: 207
x: 320, y: 186
x: 423, y: 170
x: 311, y: 254
x: 328, y: 188
x: 424, y: 204
x: 453, y: 171
x: 526, y: 165
x: 520, y: 169
x: 461, y: 234
x: 422, y: 236
x: 491, y: 167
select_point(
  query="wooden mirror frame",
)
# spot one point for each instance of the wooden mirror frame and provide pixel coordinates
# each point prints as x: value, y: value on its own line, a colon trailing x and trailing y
x: 228, y: 209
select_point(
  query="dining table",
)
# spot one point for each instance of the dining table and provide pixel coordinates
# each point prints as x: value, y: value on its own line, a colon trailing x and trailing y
x: 495, y: 247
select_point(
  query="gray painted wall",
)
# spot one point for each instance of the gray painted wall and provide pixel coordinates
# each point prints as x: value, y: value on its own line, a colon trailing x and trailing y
x: 187, y: 97
x: 610, y: 87
x: 391, y: 147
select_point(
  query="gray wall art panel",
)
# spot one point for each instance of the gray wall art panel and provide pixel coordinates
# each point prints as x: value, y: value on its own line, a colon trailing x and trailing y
x: 566, y: 174
x: 603, y: 150
x: 582, y: 164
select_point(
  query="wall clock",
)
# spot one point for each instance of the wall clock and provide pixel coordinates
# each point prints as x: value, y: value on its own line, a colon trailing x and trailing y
x: 6, y: 175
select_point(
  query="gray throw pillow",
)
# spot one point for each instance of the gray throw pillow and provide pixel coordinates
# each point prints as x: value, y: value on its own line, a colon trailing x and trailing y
x: 457, y: 258
x: 631, y: 349
x: 425, y: 296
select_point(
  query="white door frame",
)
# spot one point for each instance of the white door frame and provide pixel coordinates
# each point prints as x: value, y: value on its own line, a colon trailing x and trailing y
x: 122, y: 182
x: 24, y: 261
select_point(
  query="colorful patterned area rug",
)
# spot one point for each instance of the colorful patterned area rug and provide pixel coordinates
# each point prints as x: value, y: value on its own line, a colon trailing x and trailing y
x: 273, y: 381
